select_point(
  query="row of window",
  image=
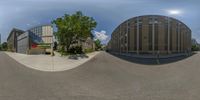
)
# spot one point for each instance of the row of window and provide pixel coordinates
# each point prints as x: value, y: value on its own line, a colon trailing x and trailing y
x: 47, y: 39
x: 42, y: 31
x: 124, y: 39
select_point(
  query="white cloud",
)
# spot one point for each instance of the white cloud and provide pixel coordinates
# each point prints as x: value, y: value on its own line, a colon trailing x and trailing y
x: 102, y: 36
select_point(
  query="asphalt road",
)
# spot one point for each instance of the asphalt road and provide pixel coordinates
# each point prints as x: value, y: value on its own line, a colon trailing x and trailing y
x: 105, y: 77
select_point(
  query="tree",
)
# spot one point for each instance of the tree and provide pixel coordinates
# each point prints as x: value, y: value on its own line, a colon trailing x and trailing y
x: 195, y: 48
x: 55, y: 46
x: 0, y: 47
x: 97, y: 44
x: 4, y: 46
x: 72, y: 28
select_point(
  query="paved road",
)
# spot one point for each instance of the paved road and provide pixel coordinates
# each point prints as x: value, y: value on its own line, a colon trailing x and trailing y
x: 105, y: 77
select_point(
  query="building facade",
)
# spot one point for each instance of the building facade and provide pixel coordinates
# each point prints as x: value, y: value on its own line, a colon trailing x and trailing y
x: 151, y: 34
x: 29, y: 41
x: 88, y: 44
x: 12, y: 39
x: 44, y: 31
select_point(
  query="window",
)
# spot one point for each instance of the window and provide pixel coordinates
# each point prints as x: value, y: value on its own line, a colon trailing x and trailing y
x: 177, y: 38
x: 135, y: 37
x: 156, y: 36
x: 166, y: 36
x: 180, y: 39
x: 150, y: 36
x: 171, y: 37
x: 128, y: 24
x: 150, y: 18
x: 128, y: 39
x: 125, y: 40
x: 140, y: 37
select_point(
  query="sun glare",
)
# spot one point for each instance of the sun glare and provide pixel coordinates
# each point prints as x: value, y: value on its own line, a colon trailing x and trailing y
x: 174, y: 12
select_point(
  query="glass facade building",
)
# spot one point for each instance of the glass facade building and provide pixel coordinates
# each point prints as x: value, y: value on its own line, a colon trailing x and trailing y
x: 44, y: 31
x: 28, y: 41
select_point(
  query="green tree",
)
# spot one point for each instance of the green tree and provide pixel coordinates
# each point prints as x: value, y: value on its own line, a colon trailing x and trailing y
x: 0, y: 47
x: 195, y: 48
x: 72, y: 28
x: 98, y: 44
x: 4, y: 46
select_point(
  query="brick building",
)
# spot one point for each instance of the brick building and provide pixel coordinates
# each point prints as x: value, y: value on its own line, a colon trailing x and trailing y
x: 151, y: 34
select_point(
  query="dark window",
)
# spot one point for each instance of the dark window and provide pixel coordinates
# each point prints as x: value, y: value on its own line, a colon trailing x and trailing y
x: 171, y: 37
x: 150, y: 19
x: 128, y: 24
x: 156, y: 19
x: 177, y: 38
x: 125, y: 39
x: 135, y: 21
x: 125, y: 30
x: 128, y: 39
x: 180, y: 38
x: 135, y: 37
x: 156, y: 36
x: 122, y: 41
x: 166, y: 36
x: 150, y: 36
x: 140, y: 37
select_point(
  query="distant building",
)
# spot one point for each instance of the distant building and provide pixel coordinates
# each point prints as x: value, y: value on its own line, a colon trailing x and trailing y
x: 194, y: 42
x: 86, y: 44
x: 108, y: 47
x: 29, y: 42
x: 12, y: 39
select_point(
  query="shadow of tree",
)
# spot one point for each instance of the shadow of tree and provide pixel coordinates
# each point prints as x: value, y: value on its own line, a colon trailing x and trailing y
x: 78, y: 56
x: 152, y: 61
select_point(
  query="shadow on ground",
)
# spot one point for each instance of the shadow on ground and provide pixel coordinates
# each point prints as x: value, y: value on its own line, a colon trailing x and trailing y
x: 152, y: 61
x: 77, y: 56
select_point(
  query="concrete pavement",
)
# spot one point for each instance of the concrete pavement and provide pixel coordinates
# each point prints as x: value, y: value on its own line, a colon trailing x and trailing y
x: 49, y: 63
x: 104, y: 77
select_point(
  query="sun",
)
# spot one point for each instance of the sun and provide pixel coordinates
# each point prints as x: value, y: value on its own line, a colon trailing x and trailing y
x: 174, y: 12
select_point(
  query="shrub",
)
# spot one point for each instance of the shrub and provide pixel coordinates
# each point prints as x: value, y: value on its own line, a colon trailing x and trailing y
x: 88, y: 50
x: 75, y: 50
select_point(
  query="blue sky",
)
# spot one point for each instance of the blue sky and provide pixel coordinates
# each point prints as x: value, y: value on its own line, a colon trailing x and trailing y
x: 24, y: 14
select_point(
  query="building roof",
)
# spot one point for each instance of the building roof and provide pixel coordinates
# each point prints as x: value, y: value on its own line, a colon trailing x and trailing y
x: 15, y: 30
x: 155, y: 16
x: 39, y: 26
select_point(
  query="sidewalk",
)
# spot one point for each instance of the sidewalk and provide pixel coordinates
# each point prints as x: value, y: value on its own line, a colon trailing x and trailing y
x: 48, y: 63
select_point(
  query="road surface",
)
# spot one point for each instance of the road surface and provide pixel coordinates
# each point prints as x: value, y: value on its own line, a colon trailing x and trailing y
x: 105, y: 77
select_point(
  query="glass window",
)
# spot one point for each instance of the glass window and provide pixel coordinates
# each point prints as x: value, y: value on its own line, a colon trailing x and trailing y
x: 156, y: 36
x: 166, y: 36
x: 150, y: 36
x: 140, y: 37
x: 135, y: 37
